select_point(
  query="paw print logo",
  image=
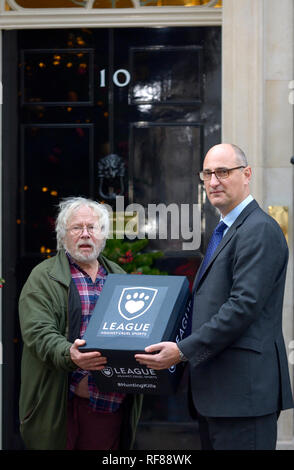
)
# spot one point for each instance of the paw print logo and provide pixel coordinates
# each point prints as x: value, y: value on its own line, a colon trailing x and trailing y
x: 107, y: 372
x: 135, y: 301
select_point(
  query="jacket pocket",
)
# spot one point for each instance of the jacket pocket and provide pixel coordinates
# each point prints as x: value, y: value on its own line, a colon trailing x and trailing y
x: 247, y: 343
x: 28, y: 415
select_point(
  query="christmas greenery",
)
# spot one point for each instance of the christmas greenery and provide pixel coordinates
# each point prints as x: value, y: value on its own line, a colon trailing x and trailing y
x: 132, y: 257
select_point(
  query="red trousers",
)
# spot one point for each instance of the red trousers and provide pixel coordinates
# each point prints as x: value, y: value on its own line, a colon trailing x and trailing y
x: 91, y: 430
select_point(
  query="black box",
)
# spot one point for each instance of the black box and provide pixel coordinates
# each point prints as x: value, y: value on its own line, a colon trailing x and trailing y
x: 132, y: 312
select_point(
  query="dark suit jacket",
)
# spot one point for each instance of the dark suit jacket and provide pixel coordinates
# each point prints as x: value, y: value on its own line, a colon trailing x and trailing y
x: 236, y: 350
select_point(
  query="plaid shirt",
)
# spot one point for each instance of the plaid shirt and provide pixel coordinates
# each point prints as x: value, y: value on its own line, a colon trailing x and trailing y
x: 89, y: 293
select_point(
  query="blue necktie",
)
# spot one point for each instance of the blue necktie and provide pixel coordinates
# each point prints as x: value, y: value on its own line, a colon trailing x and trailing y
x: 212, y: 245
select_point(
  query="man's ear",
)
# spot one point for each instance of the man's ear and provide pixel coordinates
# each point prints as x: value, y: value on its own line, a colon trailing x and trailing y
x: 248, y: 172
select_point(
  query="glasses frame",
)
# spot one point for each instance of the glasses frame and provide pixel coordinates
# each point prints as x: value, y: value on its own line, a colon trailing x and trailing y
x: 210, y: 173
x: 77, y: 232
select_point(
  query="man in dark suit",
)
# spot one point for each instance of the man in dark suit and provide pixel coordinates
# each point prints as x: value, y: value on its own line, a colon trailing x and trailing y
x: 238, y: 363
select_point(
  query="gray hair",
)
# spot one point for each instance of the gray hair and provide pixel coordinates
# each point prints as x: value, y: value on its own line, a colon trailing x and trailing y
x: 69, y: 205
x: 240, y: 155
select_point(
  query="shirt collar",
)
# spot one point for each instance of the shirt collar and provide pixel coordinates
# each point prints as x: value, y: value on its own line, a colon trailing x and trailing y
x: 230, y: 218
x: 71, y: 261
x: 101, y: 270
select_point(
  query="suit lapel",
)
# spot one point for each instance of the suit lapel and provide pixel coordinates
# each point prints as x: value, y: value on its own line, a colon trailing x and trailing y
x: 226, y: 239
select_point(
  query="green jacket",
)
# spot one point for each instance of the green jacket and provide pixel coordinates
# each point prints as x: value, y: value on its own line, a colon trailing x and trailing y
x: 49, y: 311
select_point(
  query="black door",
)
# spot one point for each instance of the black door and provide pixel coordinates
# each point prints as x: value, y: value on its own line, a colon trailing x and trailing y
x: 144, y: 103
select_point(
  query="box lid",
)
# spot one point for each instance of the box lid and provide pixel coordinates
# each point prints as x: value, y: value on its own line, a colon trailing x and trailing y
x: 134, y: 311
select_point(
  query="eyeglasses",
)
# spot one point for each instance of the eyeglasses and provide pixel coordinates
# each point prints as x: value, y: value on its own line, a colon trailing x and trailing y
x: 77, y: 230
x: 220, y: 173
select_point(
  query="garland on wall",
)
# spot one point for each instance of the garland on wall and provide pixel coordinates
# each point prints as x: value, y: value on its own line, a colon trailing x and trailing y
x: 132, y: 257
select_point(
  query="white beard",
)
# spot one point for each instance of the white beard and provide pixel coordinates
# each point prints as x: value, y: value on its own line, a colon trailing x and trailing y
x: 88, y: 258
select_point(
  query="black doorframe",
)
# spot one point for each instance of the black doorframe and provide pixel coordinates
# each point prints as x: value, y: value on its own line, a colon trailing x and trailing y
x: 10, y: 230
x: 10, y: 328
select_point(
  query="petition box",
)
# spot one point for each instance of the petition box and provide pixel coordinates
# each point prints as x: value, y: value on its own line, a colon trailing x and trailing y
x: 132, y: 312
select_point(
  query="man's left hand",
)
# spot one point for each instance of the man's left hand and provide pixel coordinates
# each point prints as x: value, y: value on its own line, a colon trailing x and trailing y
x: 161, y: 356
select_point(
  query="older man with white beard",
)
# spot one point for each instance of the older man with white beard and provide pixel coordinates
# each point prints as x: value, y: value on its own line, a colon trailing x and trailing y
x: 60, y: 404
